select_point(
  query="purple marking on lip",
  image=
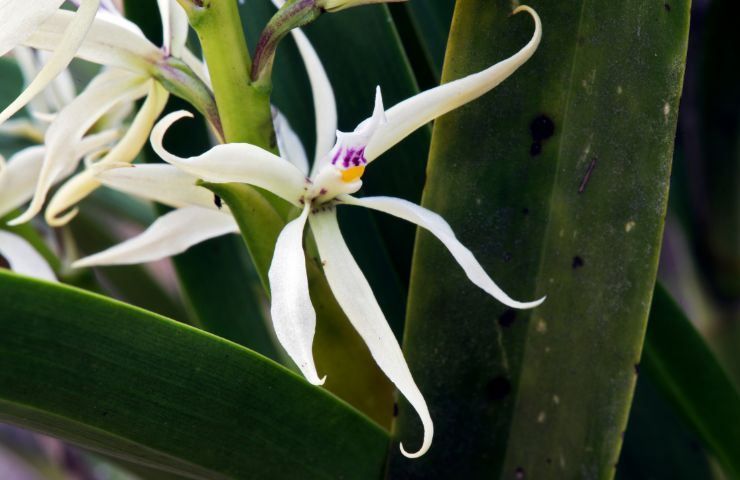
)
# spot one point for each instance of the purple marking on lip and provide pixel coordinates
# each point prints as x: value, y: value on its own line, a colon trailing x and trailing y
x: 348, y: 157
x: 336, y: 157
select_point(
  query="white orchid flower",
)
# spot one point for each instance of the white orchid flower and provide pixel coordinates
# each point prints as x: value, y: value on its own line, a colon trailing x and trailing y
x: 19, y: 19
x: 23, y: 258
x: 19, y: 177
x: 113, y: 41
x: 335, y: 176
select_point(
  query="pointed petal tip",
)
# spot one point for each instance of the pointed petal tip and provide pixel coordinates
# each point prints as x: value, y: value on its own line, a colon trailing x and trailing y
x: 523, y: 305
x: 26, y: 216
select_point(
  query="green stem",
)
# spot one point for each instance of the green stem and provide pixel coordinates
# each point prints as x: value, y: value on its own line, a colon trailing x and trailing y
x: 244, y: 109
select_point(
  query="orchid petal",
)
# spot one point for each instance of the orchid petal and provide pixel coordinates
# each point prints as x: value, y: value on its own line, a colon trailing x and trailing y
x: 438, y: 227
x: 22, y: 128
x: 290, y: 146
x: 159, y: 183
x: 235, y: 162
x: 115, y: 43
x: 292, y: 314
x: 174, y: 26
x: 27, y: 61
x: 349, y: 150
x: 125, y: 151
x: 169, y: 235
x: 325, y: 105
x: 64, y: 52
x: 23, y: 258
x: 18, y: 18
x: 420, y: 109
x: 18, y: 182
x: 105, y: 91
x: 356, y: 298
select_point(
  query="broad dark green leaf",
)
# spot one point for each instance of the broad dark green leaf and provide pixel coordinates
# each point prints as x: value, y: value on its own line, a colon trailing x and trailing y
x: 679, y: 362
x: 120, y: 380
x: 558, y: 182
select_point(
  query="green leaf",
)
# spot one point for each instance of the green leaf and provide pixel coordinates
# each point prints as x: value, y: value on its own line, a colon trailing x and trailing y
x: 680, y: 363
x: 123, y: 381
x: 577, y: 216
x: 658, y: 445
x: 431, y: 21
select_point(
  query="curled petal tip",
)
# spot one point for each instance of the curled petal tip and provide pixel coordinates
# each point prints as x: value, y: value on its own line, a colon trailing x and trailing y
x: 59, y: 221
x: 424, y: 448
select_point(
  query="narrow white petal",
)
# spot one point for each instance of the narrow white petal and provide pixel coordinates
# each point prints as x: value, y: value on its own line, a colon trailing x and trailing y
x: 104, y: 92
x: 421, y: 109
x: 441, y: 229
x: 325, y: 105
x: 160, y: 183
x: 18, y: 18
x: 112, y: 42
x: 19, y: 178
x: 22, y: 128
x: 174, y: 26
x: 23, y: 258
x: 18, y: 182
x: 289, y: 144
x: 28, y: 62
x: 64, y: 52
x: 169, y: 235
x: 125, y: 151
x: 235, y: 162
x: 292, y: 314
x: 358, y: 301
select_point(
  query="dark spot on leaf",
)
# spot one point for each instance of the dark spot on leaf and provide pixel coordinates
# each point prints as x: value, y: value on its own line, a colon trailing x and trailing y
x: 4, y: 263
x: 217, y: 201
x: 577, y: 262
x: 542, y: 128
x: 519, y: 473
x: 395, y: 409
x: 548, y: 460
x: 525, y: 211
x: 105, y: 413
x: 667, y: 7
x: 535, y: 149
x: 507, y: 318
x: 498, y: 388
x: 637, y: 369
